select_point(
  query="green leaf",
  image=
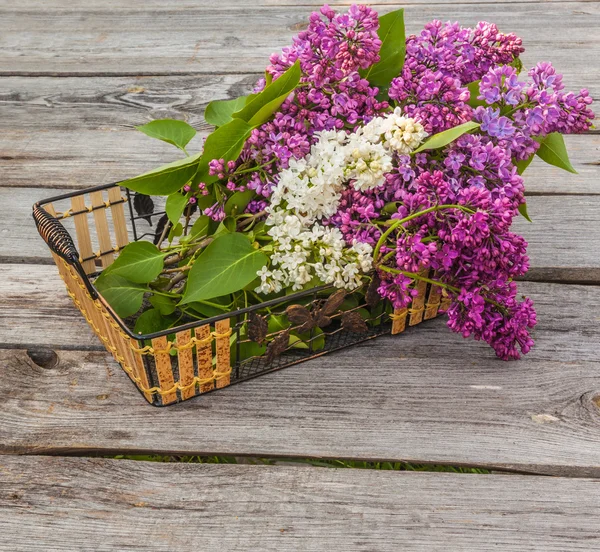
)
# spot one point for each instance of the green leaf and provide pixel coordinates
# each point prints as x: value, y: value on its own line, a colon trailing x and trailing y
x: 474, y: 92
x: 167, y: 179
x: 175, y: 205
x: 177, y: 133
x: 393, y: 47
x: 523, y: 164
x: 442, y: 139
x: 163, y: 304
x: 219, y: 112
x: 226, y: 265
x: 123, y: 296
x: 523, y: 210
x: 258, y: 110
x: 151, y: 321
x: 391, y: 207
x: 553, y: 150
x: 139, y: 262
x: 224, y: 143
x: 200, y: 227
x: 239, y: 201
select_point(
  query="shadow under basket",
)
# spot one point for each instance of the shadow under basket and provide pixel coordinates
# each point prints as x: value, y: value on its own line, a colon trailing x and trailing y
x: 86, y: 230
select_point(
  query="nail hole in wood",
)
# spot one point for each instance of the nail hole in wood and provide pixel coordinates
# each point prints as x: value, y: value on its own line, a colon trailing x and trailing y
x: 43, y: 357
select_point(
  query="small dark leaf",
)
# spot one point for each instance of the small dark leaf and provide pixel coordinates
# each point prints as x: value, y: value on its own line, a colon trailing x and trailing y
x: 160, y: 229
x: 297, y: 314
x: 372, y: 296
x: 321, y: 319
x: 334, y: 302
x: 143, y: 206
x: 257, y: 328
x: 277, y: 346
x: 353, y: 322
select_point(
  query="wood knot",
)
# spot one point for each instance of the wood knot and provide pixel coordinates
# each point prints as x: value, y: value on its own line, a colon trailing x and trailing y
x: 43, y: 357
x: 596, y: 400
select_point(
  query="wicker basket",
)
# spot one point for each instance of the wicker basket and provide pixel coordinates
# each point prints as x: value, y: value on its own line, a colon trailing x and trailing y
x: 85, y: 230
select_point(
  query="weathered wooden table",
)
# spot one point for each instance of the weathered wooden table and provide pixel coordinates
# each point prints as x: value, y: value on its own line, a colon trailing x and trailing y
x: 75, y: 76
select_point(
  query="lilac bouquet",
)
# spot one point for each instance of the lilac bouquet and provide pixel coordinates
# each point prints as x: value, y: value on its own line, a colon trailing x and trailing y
x: 363, y: 159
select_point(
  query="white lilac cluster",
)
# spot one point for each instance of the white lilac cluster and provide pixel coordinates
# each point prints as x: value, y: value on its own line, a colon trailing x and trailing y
x: 311, y: 187
x: 310, y: 190
x: 300, y: 253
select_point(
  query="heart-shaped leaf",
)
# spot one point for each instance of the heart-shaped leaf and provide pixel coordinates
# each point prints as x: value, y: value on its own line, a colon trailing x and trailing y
x: 226, y: 265
x: 238, y: 202
x: 123, y: 296
x: 175, y: 205
x: 172, y: 131
x: 393, y: 48
x: 442, y: 139
x: 219, y: 112
x: 474, y: 92
x: 224, y: 143
x: 553, y: 150
x: 164, y: 305
x: 151, y: 321
x: 166, y: 179
x: 260, y: 108
x: 139, y: 262
x: 524, y: 163
x: 523, y: 210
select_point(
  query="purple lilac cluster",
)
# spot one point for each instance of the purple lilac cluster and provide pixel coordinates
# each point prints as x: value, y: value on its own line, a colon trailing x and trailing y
x: 332, y: 95
x: 469, y: 248
x: 440, y: 62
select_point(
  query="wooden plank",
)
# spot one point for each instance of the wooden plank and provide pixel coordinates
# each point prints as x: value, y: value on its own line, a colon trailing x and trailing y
x: 424, y: 396
x: 97, y: 42
x: 113, y: 505
x: 77, y: 132
x: 570, y: 224
x: 169, y: 6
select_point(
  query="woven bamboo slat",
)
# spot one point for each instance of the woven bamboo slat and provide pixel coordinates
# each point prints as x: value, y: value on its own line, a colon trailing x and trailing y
x: 185, y: 358
x: 82, y: 231
x: 118, y: 216
x: 399, y: 321
x: 102, y: 230
x: 164, y: 368
x: 223, y: 332
x: 204, y: 357
x: 433, y: 302
x: 418, y: 303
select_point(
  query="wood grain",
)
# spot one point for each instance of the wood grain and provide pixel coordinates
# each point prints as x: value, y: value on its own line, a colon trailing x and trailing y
x: 424, y: 396
x: 168, y: 6
x: 78, y: 131
x: 207, y: 39
x: 88, y: 504
x: 564, y: 238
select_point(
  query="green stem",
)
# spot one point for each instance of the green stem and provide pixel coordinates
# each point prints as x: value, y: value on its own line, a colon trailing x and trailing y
x: 166, y: 294
x: 416, y: 276
x: 397, y: 223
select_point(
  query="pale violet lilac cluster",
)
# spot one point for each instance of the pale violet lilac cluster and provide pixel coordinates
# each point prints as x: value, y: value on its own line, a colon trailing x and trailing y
x: 336, y: 165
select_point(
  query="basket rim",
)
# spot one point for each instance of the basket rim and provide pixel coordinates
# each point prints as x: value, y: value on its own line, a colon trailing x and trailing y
x: 187, y: 325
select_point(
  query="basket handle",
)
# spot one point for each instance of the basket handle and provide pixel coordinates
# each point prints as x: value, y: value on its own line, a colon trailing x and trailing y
x: 60, y: 242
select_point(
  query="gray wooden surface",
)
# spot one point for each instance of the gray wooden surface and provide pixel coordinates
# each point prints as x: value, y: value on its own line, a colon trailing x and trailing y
x: 93, y: 504
x: 75, y: 77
